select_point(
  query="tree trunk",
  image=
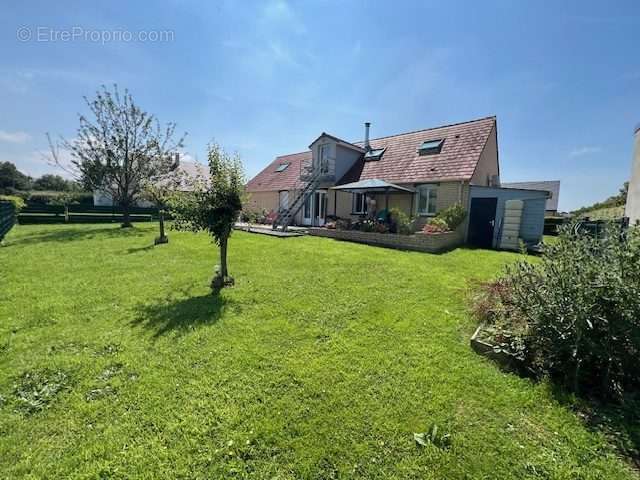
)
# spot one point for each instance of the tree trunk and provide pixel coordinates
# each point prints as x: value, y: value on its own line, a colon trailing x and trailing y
x: 126, y: 217
x: 223, y: 257
x: 162, y: 238
x: 66, y: 214
x: 222, y: 278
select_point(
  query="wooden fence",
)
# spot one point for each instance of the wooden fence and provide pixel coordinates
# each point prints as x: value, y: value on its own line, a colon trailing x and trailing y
x: 38, y: 213
x: 7, y: 218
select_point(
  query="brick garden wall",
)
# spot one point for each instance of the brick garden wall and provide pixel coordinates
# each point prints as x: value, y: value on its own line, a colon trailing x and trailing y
x: 418, y: 242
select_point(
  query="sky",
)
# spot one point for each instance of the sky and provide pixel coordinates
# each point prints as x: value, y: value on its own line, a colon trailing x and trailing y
x: 266, y: 78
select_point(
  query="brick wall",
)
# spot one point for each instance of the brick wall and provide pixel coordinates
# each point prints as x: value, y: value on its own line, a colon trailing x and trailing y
x: 418, y: 242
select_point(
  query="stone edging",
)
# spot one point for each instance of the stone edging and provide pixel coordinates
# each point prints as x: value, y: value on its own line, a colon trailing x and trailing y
x: 431, y: 243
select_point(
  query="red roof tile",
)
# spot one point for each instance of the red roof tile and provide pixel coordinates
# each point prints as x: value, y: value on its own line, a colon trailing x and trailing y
x: 269, y: 180
x: 401, y: 162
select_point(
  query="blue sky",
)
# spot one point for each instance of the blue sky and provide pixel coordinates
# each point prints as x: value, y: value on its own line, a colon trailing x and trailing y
x: 265, y: 78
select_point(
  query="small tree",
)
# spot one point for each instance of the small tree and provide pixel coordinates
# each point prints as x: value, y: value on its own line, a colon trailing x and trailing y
x: 159, y: 193
x: 213, y: 205
x: 65, y: 199
x: 118, y: 148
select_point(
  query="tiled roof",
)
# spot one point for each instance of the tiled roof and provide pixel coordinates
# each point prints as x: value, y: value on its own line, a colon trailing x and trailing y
x: 551, y: 186
x: 401, y: 162
x: 269, y: 180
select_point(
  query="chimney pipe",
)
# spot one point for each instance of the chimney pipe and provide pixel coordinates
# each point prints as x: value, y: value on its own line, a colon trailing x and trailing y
x: 632, y: 209
x: 367, y: 147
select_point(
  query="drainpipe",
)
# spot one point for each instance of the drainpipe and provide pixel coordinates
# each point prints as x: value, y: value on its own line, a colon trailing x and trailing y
x: 367, y: 125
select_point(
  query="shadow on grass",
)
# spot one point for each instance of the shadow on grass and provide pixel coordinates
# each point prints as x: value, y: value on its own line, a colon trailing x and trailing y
x: 620, y: 424
x: 140, y: 249
x: 77, y: 233
x: 183, y: 315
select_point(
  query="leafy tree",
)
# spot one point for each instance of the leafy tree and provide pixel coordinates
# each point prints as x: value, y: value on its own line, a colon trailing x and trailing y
x: 53, y: 183
x: 65, y: 199
x: 159, y: 193
x: 118, y: 148
x: 11, y: 177
x: 213, y: 204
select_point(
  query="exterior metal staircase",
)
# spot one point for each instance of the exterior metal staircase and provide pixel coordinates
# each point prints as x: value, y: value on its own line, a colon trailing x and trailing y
x: 286, y: 215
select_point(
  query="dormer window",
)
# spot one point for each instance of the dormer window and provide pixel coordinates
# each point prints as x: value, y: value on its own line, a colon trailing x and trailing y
x: 374, y: 154
x: 431, y: 147
x: 282, y: 167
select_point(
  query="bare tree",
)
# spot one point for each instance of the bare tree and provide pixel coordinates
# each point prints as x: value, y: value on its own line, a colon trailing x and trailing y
x: 118, y: 148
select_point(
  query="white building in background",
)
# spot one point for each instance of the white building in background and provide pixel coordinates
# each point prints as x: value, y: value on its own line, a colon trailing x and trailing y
x: 632, y: 210
x: 102, y: 198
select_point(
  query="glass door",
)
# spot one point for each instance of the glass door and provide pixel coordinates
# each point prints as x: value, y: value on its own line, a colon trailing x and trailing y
x: 306, y: 211
x: 319, y: 208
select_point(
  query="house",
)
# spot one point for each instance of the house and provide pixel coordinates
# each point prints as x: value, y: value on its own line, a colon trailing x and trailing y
x: 551, y: 186
x: 632, y: 208
x: 420, y: 172
x: 102, y: 198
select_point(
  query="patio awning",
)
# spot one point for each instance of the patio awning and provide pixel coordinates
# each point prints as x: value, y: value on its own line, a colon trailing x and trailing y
x: 372, y: 185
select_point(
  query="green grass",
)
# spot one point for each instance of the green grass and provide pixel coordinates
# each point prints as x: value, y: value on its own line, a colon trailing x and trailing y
x: 322, y: 362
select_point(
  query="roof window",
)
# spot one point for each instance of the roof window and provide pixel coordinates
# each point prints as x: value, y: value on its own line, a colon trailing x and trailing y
x: 431, y: 147
x: 374, y: 154
x: 282, y: 167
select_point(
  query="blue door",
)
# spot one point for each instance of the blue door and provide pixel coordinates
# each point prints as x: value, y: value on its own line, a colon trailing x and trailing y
x: 482, y: 220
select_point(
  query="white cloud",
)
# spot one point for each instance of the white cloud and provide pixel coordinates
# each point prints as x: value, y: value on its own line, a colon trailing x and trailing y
x: 14, y: 137
x: 582, y: 151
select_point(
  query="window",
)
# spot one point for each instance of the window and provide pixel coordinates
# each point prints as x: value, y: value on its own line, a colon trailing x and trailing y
x: 282, y: 167
x: 431, y: 147
x: 307, y: 208
x: 374, y: 154
x: 359, y: 203
x: 427, y: 199
x: 324, y: 157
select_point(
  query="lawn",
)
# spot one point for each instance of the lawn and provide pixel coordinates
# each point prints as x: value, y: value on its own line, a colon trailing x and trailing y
x: 322, y: 362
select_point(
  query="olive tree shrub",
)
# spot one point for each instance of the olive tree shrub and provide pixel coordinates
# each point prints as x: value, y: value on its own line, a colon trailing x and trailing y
x: 578, y: 310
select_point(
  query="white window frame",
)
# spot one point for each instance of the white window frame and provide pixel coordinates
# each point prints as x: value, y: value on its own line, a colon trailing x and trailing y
x: 323, y: 157
x: 355, y: 207
x: 425, y: 190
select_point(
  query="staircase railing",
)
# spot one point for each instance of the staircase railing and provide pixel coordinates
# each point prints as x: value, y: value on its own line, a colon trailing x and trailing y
x: 285, y: 215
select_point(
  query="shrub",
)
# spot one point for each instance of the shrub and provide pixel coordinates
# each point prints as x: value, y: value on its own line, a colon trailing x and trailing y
x: 436, y: 225
x: 453, y: 216
x: 343, y: 224
x: 18, y: 203
x: 366, y: 225
x: 400, y: 222
x: 46, y: 198
x: 578, y: 310
x: 249, y: 216
x: 13, y: 192
x: 380, y: 227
